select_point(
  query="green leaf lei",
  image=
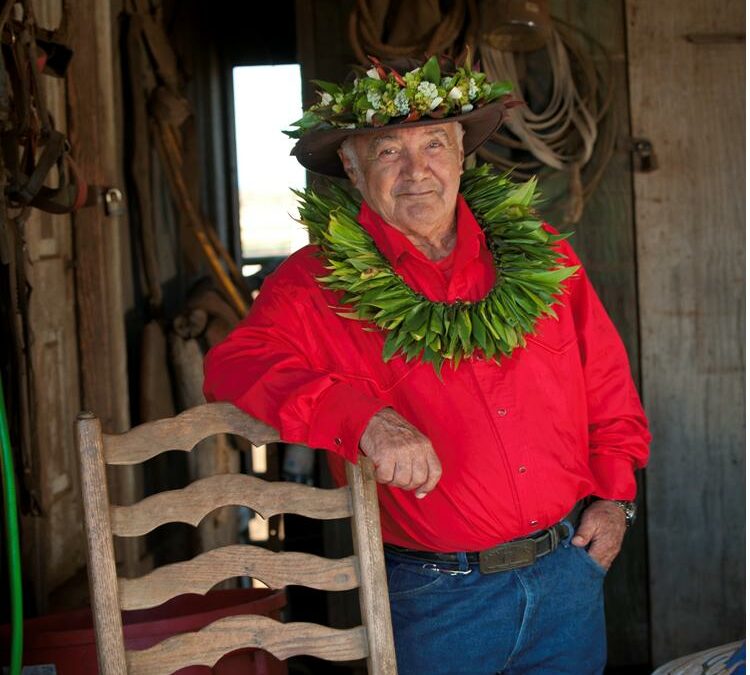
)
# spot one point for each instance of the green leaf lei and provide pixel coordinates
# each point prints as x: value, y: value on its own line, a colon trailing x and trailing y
x: 527, y: 282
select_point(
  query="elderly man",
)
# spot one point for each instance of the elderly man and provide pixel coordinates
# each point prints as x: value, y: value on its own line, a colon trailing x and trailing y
x: 419, y: 330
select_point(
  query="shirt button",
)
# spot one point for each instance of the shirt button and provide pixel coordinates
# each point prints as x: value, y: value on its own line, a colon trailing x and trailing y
x: 502, y: 412
x: 521, y: 469
x: 533, y: 522
x: 337, y: 440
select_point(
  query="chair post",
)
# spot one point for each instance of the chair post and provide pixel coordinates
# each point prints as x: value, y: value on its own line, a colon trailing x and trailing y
x: 110, y: 644
x: 373, y: 590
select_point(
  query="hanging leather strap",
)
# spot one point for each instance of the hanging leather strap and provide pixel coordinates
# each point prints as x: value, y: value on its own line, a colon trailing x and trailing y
x: 27, y: 125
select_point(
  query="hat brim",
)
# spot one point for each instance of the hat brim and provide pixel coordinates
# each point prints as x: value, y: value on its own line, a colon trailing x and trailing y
x: 317, y: 151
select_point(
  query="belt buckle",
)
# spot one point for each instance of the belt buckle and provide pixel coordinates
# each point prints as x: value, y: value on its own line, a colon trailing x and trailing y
x: 509, y: 556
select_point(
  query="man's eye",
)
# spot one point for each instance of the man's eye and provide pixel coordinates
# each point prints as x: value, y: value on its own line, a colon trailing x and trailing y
x: 388, y: 153
x: 436, y: 144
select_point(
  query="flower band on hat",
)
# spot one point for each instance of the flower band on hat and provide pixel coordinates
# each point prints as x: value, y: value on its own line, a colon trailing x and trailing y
x: 381, y: 95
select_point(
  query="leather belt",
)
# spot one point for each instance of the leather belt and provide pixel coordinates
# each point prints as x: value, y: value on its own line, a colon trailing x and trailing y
x: 511, y: 555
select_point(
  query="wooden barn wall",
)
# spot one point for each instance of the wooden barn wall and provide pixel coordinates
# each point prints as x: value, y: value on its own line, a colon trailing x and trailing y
x: 604, y: 238
x: 79, y: 287
x: 52, y: 524
x: 74, y: 353
x: 687, y: 75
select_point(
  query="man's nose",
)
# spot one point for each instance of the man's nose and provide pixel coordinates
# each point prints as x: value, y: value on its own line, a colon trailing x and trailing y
x: 414, y: 165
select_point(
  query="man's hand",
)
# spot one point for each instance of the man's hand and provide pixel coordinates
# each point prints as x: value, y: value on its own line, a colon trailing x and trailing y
x: 403, y: 456
x: 602, y: 526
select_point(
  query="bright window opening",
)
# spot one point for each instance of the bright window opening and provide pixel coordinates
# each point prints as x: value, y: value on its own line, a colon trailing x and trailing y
x: 266, y: 100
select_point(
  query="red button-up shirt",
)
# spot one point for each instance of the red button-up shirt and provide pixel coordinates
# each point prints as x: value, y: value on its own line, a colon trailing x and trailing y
x: 520, y: 439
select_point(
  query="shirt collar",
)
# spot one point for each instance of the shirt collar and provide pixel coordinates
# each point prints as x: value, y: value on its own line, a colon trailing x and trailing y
x: 394, y: 245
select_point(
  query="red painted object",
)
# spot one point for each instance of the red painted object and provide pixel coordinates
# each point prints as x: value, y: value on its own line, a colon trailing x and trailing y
x: 67, y: 639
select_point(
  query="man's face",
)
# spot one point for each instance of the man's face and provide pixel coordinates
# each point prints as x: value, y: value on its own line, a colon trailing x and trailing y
x: 409, y: 176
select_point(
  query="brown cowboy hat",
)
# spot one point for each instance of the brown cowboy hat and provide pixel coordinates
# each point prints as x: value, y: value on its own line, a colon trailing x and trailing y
x: 317, y: 150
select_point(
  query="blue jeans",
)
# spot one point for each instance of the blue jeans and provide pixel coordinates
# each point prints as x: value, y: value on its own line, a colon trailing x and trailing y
x: 454, y: 620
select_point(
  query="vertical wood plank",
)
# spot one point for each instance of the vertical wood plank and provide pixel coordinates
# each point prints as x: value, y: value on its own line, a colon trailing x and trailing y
x: 605, y: 240
x: 685, y: 98
x: 110, y: 645
x: 53, y: 535
x: 97, y: 239
x: 368, y: 544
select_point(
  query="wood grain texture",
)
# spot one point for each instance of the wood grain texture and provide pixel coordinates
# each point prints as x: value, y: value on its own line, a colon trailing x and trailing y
x: 194, y: 502
x: 206, y: 646
x: 373, y: 591
x: 110, y: 645
x: 686, y: 99
x: 605, y: 239
x: 98, y: 264
x: 203, y: 572
x: 99, y: 272
x: 49, y: 392
x: 183, y: 432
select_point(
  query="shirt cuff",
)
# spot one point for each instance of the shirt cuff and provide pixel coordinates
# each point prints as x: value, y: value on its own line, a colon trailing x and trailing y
x: 340, y: 417
x: 615, y: 477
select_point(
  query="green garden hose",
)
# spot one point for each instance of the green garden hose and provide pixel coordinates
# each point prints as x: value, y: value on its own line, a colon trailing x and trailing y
x: 14, y: 549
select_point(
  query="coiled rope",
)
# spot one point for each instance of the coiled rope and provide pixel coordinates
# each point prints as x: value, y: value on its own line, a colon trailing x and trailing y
x: 576, y: 128
x: 368, y: 19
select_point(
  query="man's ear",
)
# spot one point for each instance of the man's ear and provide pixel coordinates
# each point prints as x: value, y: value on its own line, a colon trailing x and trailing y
x: 349, y: 167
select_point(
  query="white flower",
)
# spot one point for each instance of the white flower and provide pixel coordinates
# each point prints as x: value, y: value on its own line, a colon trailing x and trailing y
x: 368, y: 116
x: 373, y: 74
x: 436, y: 102
x: 401, y: 102
x: 467, y: 108
x: 473, y: 90
x: 428, y: 90
x: 415, y: 71
x: 445, y: 82
x: 326, y: 98
x: 351, y: 125
x: 373, y: 98
x: 455, y: 93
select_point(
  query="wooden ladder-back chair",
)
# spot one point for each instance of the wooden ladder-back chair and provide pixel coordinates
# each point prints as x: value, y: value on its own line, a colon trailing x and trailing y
x: 372, y: 640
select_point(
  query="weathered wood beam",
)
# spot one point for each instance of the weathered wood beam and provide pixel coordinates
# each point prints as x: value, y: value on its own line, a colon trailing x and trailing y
x: 98, y: 252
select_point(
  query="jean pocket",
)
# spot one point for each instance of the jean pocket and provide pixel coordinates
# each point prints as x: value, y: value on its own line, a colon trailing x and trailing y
x: 599, y: 569
x: 407, y: 579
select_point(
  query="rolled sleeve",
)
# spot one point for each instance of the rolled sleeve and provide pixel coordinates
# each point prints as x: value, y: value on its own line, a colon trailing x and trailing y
x: 615, y: 477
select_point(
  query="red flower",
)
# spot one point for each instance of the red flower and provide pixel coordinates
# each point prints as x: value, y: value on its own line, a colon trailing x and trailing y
x: 378, y: 67
x: 398, y: 78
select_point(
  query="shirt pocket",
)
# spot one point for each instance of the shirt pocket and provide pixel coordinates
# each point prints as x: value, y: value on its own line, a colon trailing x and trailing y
x: 555, y: 336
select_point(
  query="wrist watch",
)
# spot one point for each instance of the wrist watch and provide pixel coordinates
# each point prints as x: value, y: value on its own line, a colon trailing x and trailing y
x: 628, y: 508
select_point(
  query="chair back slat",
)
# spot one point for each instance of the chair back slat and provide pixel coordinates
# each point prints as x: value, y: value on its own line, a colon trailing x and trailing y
x: 200, y: 574
x: 110, y: 644
x: 183, y: 432
x: 283, y: 640
x: 194, y: 502
x: 373, y: 591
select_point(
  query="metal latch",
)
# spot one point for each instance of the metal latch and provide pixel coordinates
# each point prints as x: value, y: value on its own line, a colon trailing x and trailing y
x: 645, y: 156
x: 114, y: 204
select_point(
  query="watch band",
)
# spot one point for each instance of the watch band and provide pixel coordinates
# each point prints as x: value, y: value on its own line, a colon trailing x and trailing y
x: 628, y: 508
